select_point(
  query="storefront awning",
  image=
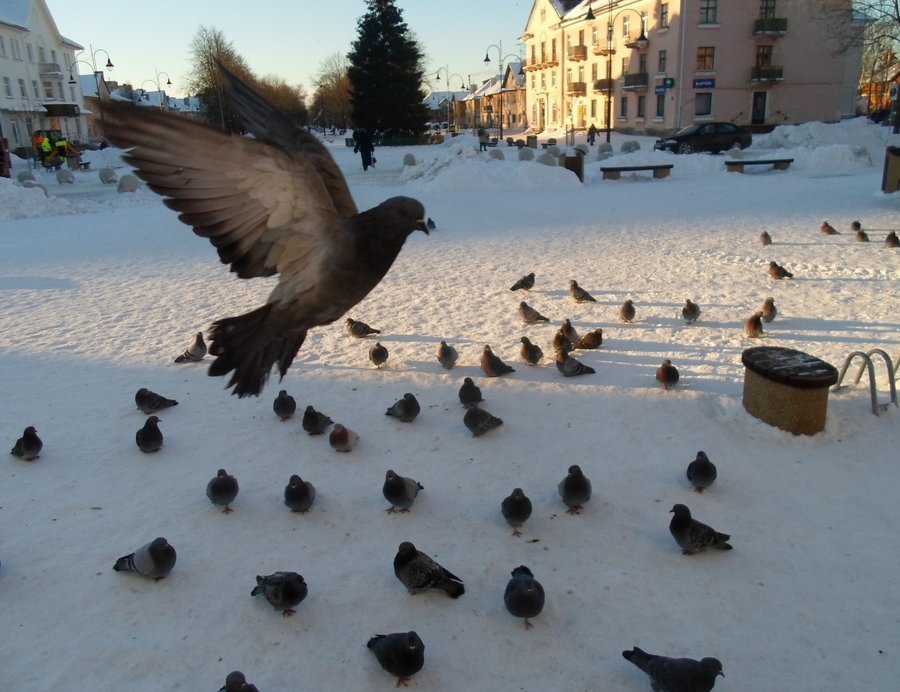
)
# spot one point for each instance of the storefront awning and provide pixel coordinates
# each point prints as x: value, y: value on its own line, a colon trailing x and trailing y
x: 62, y: 110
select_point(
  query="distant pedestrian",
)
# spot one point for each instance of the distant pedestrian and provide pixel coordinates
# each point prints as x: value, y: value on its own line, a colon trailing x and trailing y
x: 592, y: 134
x: 364, y: 148
x: 482, y: 139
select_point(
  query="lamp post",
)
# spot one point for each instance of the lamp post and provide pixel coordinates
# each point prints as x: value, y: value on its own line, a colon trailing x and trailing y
x: 158, y: 87
x: 97, y: 73
x: 437, y: 76
x: 502, y: 58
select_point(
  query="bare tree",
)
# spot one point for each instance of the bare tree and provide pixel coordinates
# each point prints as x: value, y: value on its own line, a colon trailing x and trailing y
x: 208, y: 46
x: 855, y: 23
x: 879, y: 64
x: 331, y: 104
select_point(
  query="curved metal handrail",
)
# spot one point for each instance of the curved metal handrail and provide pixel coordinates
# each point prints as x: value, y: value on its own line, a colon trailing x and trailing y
x: 867, y: 364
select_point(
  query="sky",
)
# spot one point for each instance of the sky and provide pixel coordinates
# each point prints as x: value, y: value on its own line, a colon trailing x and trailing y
x: 150, y: 42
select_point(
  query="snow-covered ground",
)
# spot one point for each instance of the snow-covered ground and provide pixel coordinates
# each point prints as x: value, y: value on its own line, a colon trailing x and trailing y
x: 102, y: 290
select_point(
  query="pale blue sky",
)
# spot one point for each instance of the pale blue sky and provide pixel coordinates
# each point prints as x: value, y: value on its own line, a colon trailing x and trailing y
x: 275, y: 37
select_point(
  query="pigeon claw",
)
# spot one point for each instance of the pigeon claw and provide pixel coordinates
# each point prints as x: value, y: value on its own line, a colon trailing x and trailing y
x: 227, y: 510
x: 516, y: 532
x: 403, y: 681
x: 528, y: 625
x: 575, y: 509
x: 287, y: 612
x: 698, y: 490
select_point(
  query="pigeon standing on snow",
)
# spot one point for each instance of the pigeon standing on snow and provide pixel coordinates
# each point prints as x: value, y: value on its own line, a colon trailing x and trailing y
x: 776, y: 271
x: 579, y: 294
x: 561, y: 342
x: 701, y: 472
x: 571, y: 367
x: 401, y: 654
x: 516, y: 508
x: 667, y: 374
x: 861, y: 235
x: 405, y: 409
x: 479, y: 421
x: 282, y: 207
x: 469, y: 393
x: 151, y: 402
x: 284, y: 590
x: 690, y: 311
x: 299, y: 494
x: 694, y: 536
x: 828, y: 229
x: 418, y: 572
x: 400, y: 491
x: 526, y: 283
x: 430, y: 224
x: 529, y: 315
x: 28, y: 447
x: 447, y: 355
x: 568, y: 331
x: 150, y: 437
x: 342, y: 439
x: 531, y: 353
x: 315, y: 422
x: 284, y: 405
x: 626, y: 311
x: 236, y: 681
x: 753, y: 328
x: 765, y: 238
x: 154, y: 560
x: 222, y: 490
x: 575, y: 489
x: 378, y: 354
x: 195, y: 352
x: 524, y: 595
x: 492, y: 365
x: 359, y: 329
x: 593, y: 339
x: 676, y: 674
x: 891, y: 239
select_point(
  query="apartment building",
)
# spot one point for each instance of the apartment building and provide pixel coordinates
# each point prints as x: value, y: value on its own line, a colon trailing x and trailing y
x: 660, y: 65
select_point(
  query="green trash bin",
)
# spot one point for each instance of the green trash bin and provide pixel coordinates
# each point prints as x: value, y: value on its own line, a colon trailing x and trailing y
x: 890, y: 179
x: 531, y: 141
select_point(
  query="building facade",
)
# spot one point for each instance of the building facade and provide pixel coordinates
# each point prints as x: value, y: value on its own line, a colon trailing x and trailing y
x: 660, y: 65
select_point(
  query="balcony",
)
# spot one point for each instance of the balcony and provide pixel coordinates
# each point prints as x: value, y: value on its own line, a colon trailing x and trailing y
x: 577, y: 53
x: 530, y: 65
x: 768, y: 26
x: 603, y: 86
x: 637, y: 81
x: 577, y: 89
x: 50, y: 69
x: 768, y: 73
x: 602, y: 49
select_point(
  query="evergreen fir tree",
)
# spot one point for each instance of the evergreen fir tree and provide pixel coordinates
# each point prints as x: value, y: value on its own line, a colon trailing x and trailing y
x: 385, y: 73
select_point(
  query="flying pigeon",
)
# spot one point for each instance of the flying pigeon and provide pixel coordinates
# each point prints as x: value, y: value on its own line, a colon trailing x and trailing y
x: 828, y: 229
x: 315, y: 422
x: 676, y: 674
x: 405, y: 409
x: 151, y: 402
x: 524, y: 595
x: 430, y: 224
x: 342, y: 439
x: 753, y: 328
x: 571, y: 367
x: 360, y: 329
x: 593, y: 339
x: 529, y: 315
x: 284, y: 590
x: 701, y: 472
x: 579, y: 294
x: 469, y: 393
x: 418, y: 572
x: 525, y: 283
x: 28, y: 447
x: 447, y: 355
x: 891, y: 239
x: 272, y: 204
x: 479, y: 421
x: 195, y: 352
x: 667, y: 374
x: 401, y: 654
x: 769, y: 311
x: 575, y: 489
x: 299, y: 494
x: 516, y: 508
x: 378, y: 354
x: 531, y: 353
x: 400, y: 491
x: 776, y: 271
x: 222, y: 490
x: 626, y: 311
x: 690, y: 311
x: 154, y: 560
x: 236, y: 681
x: 492, y: 365
x: 694, y: 536
x: 568, y: 331
x: 150, y: 437
x: 765, y: 238
x: 284, y: 405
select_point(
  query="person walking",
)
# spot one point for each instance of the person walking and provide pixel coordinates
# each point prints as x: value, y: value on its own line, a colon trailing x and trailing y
x: 482, y: 139
x: 364, y: 148
x: 592, y: 134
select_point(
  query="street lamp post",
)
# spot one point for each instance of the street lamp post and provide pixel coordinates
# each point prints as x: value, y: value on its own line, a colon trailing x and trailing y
x: 502, y: 58
x: 449, y: 77
x: 158, y: 87
x: 96, y: 72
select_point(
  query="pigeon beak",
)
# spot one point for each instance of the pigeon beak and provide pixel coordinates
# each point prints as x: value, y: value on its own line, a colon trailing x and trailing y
x: 420, y: 225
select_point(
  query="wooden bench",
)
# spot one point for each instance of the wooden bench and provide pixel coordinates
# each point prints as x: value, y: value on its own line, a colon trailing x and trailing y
x: 84, y: 165
x: 737, y: 166
x: 660, y: 170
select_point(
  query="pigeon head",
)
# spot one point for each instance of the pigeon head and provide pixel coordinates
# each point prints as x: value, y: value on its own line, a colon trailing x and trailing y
x: 30, y: 430
x: 521, y: 569
x: 153, y: 419
x: 680, y: 510
x: 221, y: 473
x: 575, y: 470
x: 702, y: 455
x: 712, y: 665
x: 406, y: 549
x: 408, y: 212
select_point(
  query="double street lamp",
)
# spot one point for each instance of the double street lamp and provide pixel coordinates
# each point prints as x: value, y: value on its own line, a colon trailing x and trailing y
x: 502, y: 58
x: 96, y: 72
x: 158, y: 87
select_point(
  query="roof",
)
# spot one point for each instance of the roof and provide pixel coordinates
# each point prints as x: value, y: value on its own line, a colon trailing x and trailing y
x: 15, y: 12
x: 435, y: 99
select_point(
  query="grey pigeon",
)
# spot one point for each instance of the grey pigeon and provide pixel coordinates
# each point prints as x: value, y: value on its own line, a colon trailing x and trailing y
x: 861, y: 236
x: 154, y: 560
x: 855, y: 226
x: 579, y: 294
x: 531, y: 353
x: 626, y: 311
x: 828, y: 229
x: 195, y: 352
x: 430, y: 224
x: 284, y: 405
x: 150, y: 437
x: 401, y: 654
x: 28, y: 447
x: 359, y: 329
x: 400, y: 491
x: 676, y: 674
x: 492, y: 365
x: 315, y: 422
x: 284, y: 590
x: 768, y: 310
x: 776, y: 271
x: 524, y: 595
x: 469, y: 393
x: 529, y: 315
x: 575, y: 490
x: 526, y: 283
x: 447, y: 355
x: 342, y: 439
x: 561, y: 342
x: 593, y: 339
x: 516, y: 508
x: 690, y: 311
x: 479, y: 421
x: 701, y: 472
x: 418, y: 572
x: 236, y: 681
x: 568, y: 331
x: 378, y: 354
x: 765, y: 238
x: 667, y: 374
x: 694, y: 536
x: 281, y: 206
x: 891, y: 239
x: 405, y: 409
x: 151, y: 402
x: 222, y: 490
x: 571, y: 367
x: 299, y: 494
x: 753, y: 328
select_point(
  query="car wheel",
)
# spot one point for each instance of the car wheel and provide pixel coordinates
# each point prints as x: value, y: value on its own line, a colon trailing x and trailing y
x: 685, y: 148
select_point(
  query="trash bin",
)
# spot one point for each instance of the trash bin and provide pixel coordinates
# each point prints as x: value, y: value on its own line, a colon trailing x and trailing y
x: 531, y: 141
x: 573, y: 163
x: 890, y: 179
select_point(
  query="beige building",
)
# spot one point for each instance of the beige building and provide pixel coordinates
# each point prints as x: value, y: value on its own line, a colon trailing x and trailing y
x: 656, y: 65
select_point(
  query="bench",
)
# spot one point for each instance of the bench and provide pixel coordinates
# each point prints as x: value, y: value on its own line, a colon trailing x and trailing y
x: 660, y: 170
x: 737, y: 166
x: 84, y: 165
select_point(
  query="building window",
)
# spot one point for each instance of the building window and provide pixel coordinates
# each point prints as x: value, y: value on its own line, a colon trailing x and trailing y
x: 48, y: 90
x: 626, y: 26
x: 642, y: 63
x: 42, y: 54
x: 624, y: 66
x: 708, y: 11
x: 2, y: 46
x: 581, y: 73
x: 664, y: 16
x: 533, y: 79
x: 703, y: 103
x: 593, y: 108
x: 36, y: 90
x: 767, y: 9
x: 594, y: 67
x: 543, y: 52
x: 553, y: 113
x: 706, y: 58
x: 764, y: 56
x: 553, y: 78
x: 23, y: 90
x: 543, y: 82
x: 7, y: 87
x: 662, y: 61
x: 623, y: 105
x: 29, y: 51
x: 641, y: 104
x: 595, y: 35
x: 15, y: 49
x: 553, y: 50
x: 660, y: 105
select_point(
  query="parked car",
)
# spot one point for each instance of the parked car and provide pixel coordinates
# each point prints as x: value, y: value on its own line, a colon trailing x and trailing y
x: 714, y: 137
